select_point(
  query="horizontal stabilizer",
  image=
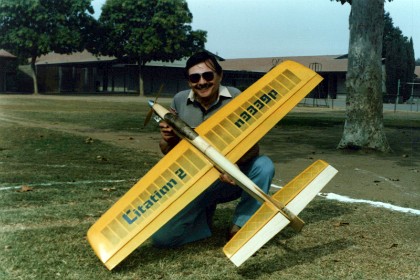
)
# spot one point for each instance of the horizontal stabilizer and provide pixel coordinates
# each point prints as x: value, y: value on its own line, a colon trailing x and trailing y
x: 268, y: 221
x: 262, y: 226
x: 304, y: 187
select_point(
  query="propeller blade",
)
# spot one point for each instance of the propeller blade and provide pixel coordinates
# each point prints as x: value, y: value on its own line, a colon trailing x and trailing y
x: 148, y: 117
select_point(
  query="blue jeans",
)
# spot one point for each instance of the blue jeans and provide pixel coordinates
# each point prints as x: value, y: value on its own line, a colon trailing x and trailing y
x: 193, y: 222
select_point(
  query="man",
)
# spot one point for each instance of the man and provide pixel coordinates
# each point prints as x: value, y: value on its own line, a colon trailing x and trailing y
x: 194, y: 106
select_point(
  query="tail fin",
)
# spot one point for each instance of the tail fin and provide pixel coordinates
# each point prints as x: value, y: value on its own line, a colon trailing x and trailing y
x: 268, y: 221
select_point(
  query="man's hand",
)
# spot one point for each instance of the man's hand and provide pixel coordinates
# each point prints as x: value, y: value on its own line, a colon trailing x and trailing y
x: 169, y: 137
x: 225, y: 178
x: 167, y: 132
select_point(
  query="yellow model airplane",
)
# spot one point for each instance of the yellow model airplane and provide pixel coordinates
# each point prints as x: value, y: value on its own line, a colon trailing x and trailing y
x: 195, y: 163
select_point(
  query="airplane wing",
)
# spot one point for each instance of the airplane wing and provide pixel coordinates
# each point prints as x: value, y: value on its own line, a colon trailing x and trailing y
x: 165, y: 190
x: 241, y: 123
x: 185, y: 172
x: 267, y: 221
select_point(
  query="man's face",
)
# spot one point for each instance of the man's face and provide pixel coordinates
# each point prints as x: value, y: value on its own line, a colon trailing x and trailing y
x: 204, y: 81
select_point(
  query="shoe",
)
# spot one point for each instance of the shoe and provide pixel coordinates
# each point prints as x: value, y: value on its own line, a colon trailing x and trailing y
x: 233, y: 230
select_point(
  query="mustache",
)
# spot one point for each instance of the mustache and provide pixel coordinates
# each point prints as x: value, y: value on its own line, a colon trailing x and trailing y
x: 203, y: 86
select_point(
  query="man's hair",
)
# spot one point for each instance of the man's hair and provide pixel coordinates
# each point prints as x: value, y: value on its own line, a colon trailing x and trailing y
x: 205, y: 57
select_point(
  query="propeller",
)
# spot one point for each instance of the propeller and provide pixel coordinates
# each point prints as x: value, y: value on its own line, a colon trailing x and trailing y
x: 150, y: 113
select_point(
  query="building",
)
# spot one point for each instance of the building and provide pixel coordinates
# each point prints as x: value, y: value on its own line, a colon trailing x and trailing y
x: 415, y: 87
x: 78, y: 72
x: 332, y: 68
x: 7, y: 71
x: 85, y: 73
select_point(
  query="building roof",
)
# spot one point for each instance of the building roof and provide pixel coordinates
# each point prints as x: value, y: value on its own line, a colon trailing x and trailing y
x: 4, y: 53
x: 324, y: 63
x: 77, y: 57
x: 87, y: 57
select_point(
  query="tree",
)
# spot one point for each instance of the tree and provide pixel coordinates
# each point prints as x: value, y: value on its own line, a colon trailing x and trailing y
x: 31, y: 28
x: 148, y: 30
x: 398, y: 52
x: 363, y: 126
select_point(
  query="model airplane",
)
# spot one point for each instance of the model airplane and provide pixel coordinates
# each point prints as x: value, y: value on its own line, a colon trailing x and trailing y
x: 195, y: 163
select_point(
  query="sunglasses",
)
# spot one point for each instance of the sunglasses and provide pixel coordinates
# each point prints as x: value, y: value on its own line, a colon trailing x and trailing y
x: 195, y: 78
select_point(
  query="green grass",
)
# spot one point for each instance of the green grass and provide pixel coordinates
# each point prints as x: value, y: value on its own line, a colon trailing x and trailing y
x: 43, y: 231
x: 57, y: 156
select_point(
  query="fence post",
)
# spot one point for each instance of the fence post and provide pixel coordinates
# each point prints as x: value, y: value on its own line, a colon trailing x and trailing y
x: 396, y: 98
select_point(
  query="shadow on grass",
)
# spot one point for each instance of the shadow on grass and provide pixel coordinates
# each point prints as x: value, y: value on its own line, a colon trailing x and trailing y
x: 322, y: 210
x: 148, y: 255
x: 319, y: 210
x: 291, y: 258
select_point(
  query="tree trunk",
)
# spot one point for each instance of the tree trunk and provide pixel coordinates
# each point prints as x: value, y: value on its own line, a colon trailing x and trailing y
x: 141, y: 82
x: 364, y: 127
x: 34, y: 76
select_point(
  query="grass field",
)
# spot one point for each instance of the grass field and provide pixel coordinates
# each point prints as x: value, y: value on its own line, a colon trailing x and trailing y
x: 64, y: 161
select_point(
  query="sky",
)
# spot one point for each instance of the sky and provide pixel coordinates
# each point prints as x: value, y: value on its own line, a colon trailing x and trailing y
x: 276, y: 28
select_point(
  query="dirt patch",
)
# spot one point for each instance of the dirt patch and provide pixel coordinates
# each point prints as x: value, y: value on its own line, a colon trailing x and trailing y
x: 131, y: 140
x: 392, y: 177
